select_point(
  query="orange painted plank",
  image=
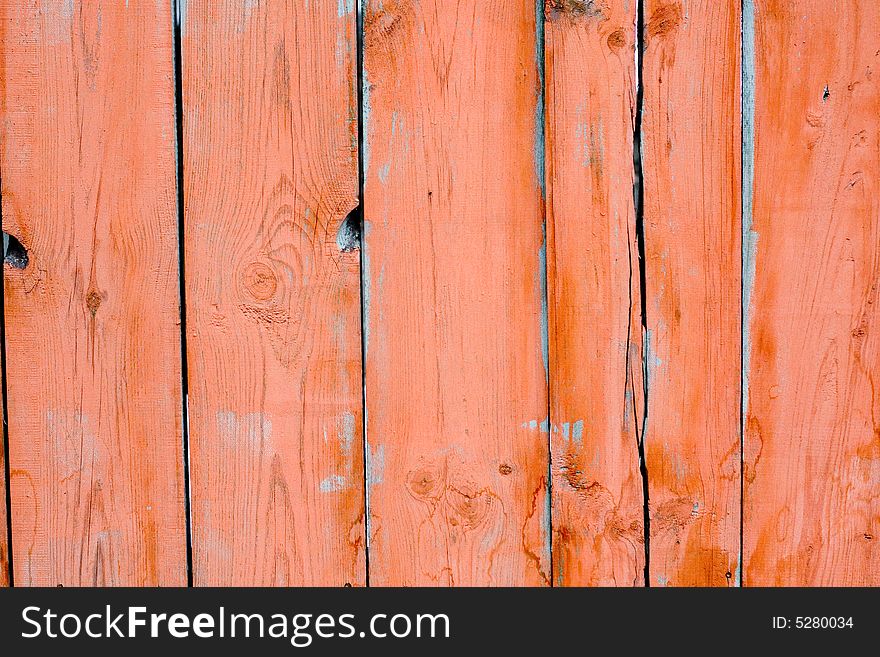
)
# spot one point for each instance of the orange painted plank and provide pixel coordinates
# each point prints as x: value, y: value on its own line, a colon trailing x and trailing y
x: 92, y: 322
x: 453, y: 289
x: 593, y: 284
x: 812, y: 450
x: 691, y: 159
x: 4, y: 550
x: 4, y: 537
x: 273, y: 306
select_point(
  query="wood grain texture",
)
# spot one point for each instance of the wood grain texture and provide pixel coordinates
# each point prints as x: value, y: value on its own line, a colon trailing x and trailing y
x: 272, y: 291
x: 595, y: 331
x: 92, y: 322
x: 691, y: 158
x: 4, y: 534
x: 453, y: 286
x: 812, y: 451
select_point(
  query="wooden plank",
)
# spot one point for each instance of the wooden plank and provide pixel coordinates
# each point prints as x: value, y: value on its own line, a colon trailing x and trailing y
x: 92, y: 321
x: 272, y: 292
x: 453, y: 289
x: 4, y: 534
x: 593, y: 285
x: 691, y: 155
x: 812, y: 452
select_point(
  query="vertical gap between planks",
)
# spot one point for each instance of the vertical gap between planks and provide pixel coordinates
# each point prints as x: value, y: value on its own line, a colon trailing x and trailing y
x: 360, y: 81
x: 541, y: 171
x: 6, y: 471
x: 638, y: 207
x: 747, y: 93
x: 178, y: 10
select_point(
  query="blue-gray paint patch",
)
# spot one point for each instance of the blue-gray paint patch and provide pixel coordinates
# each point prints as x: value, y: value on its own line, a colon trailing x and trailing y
x: 366, y: 110
x: 749, y: 236
x: 384, y: 171
x: 540, y: 156
x: 180, y: 15
x: 569, y: 430
x: 577, y: 432
x: 345, y: 7
x: 366, y: 286
x: 332, y: 484
x: 646, y: 374
x: 376, y: 466
x: 652, y: 360
x: 251, y: 430
x: 347, y: 437
x: 544, y: 319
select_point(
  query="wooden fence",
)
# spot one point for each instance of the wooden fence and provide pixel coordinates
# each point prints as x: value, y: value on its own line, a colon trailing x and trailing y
x: 441, y: 292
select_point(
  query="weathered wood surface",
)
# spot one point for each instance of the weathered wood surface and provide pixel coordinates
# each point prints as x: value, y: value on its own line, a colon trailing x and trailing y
x: 691, y: 153
x: 272, y: 292
x: 456, y: 393
x: 92, y: 321
x: 4, y: 534
x: 595, y: 331
x: 812, y: 443
x: 619, y: 277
